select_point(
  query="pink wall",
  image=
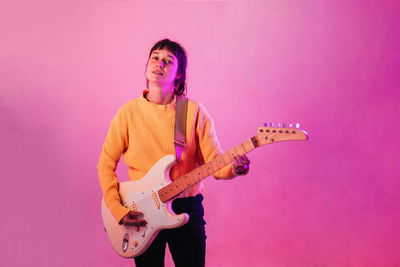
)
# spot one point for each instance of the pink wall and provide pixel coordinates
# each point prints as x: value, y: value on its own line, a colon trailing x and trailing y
x: 333, y: 66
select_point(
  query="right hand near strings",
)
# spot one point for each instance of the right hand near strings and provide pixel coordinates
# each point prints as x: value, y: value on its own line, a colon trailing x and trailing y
x: 133, y: 218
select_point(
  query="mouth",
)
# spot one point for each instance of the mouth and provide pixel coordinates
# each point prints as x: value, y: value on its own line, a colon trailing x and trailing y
x: 158, y: 72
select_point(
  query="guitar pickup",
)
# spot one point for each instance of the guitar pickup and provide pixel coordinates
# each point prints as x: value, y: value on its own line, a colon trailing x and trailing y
x: 155, y: 199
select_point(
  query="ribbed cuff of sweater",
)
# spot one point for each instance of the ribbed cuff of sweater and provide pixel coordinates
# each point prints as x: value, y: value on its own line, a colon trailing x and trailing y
x: 120, y: 212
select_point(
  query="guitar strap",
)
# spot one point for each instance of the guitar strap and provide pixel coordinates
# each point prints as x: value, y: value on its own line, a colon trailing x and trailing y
x: 180, y: 125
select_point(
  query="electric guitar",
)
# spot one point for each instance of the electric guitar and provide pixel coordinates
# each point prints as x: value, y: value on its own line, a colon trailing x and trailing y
x: 153, y: 194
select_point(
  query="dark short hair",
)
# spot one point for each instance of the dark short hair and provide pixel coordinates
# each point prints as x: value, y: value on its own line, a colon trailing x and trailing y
x: 180, y: 53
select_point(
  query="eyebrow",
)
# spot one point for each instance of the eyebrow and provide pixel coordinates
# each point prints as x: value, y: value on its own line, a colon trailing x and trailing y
x: 169, y: 55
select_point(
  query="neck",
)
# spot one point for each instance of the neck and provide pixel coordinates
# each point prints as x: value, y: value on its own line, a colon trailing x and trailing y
x: 160, y: 95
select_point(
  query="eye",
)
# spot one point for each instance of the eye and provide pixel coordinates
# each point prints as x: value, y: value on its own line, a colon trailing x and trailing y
x: 155, y: 57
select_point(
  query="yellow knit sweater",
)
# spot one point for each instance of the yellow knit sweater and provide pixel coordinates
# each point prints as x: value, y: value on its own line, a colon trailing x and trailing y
x: 144, y: 133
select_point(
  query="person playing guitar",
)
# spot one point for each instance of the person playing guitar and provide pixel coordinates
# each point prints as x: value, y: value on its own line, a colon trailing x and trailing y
x: 143, y: 132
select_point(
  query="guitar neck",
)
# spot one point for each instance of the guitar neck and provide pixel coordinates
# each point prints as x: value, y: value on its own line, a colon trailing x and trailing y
x: 181, y: 184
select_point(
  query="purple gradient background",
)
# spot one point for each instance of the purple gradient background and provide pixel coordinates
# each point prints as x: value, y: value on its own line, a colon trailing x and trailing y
x: 333, y: 66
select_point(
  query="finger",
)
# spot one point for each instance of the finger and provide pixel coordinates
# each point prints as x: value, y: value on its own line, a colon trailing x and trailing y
x: 246, y: 160
x: 135, y: 214
x: 237, y: 169
x: 138, y: 223
x: 241, y: 160
x: 237, y: 164
x: 237, y: 160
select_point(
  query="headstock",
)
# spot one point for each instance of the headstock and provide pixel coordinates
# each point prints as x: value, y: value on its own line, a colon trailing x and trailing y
x: 278, y: 132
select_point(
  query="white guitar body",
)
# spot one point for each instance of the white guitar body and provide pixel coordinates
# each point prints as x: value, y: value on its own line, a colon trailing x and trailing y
x: 141, y: 195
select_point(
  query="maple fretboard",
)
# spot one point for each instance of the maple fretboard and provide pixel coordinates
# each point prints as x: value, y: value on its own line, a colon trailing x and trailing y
x: 186, y: 181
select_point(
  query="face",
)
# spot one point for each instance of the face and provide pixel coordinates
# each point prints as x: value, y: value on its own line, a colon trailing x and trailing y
x: 162, y: 68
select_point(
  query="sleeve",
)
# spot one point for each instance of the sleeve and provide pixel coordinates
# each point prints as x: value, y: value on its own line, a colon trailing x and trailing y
x: 209, y: 144
x: 115, y: 144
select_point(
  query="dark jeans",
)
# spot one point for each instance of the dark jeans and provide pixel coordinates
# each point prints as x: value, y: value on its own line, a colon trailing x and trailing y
x: 187, y: 244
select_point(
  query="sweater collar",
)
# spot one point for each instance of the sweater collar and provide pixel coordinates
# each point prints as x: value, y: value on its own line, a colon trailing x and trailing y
x: 169, y: 106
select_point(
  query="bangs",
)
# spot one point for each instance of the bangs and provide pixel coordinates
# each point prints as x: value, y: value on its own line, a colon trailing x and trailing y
x: 174, y: 48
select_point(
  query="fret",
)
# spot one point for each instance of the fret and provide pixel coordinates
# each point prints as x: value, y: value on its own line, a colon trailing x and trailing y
x: 236, y: 152
x: 191, y: 178
x: 210, y: 169
x: 223, y: 156
x: 231, y: 155
x: 240, y: 150
x: 181, y: 187
x: 187, y: 180
x: 206, y: 169
x: 215, y: 163
x: 166, y: 192
x: 249, y: 145
x: 198, y: 176
x: 172, y: 190
x: 175, y: 187
x: 243, y: 148
x: 203, y: 172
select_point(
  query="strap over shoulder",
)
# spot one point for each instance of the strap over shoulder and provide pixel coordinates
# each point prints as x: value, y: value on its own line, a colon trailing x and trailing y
x: 180, y: 125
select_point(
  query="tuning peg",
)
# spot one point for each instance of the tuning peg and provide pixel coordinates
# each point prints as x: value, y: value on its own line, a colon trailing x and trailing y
x: 265, y: 124
x: 291, y: 125
x: 284, y: 125
x: 272, y: 124
x: 278, y: 124
x: 297, y: 125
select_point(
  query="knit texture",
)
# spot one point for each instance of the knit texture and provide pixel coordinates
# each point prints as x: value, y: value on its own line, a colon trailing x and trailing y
x: 143, y: 132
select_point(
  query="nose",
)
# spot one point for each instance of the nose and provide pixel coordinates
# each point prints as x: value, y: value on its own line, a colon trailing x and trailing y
x: 162, y: 64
